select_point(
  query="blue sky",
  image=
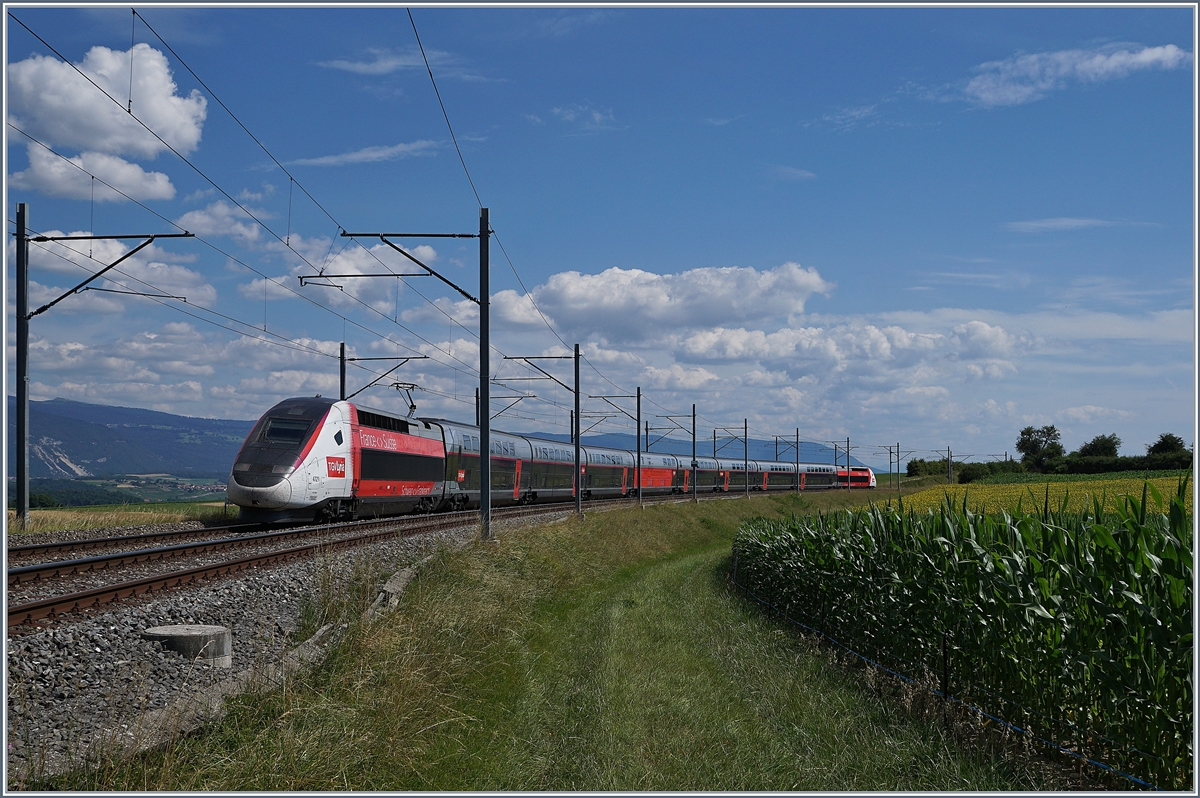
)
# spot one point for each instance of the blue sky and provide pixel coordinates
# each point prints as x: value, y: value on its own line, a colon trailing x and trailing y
x: 917, y: 225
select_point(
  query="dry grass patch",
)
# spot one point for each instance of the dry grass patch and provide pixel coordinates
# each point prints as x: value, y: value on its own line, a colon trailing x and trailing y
x: 60, y: 519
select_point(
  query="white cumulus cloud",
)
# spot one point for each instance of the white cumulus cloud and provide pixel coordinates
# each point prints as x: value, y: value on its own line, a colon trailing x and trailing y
x: 71, y: 178
x: 221, y: 218
x: 982, y: 340
x: 54, y: 103
x: 632, y: 304
x: 678, y: 378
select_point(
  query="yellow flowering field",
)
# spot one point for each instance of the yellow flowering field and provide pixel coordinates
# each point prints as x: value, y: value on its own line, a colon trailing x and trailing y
x: 1032, y: 496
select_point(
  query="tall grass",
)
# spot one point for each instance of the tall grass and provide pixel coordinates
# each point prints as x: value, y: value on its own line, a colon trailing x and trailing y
x: 1074, y: 625
x: 120, y: 515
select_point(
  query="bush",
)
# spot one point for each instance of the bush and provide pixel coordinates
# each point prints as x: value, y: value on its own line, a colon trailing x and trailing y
x: 969, y: 472
x: 927, y: 468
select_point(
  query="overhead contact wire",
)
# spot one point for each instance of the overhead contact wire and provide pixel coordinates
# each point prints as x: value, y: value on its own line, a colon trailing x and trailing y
x: 242, y: 263
x: 291, y: 178
x: 467, y: 172
x: 226, y: 195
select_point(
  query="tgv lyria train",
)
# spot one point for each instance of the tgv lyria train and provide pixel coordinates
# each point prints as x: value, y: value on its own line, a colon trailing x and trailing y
x: 314, y: 458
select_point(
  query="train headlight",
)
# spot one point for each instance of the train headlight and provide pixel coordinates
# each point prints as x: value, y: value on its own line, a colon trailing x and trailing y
x: 241, y: 467
x: 281, y: 469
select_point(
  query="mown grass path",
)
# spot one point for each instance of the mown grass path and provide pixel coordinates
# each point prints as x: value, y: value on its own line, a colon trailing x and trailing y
x: 599, y: 654
x: 669, y: 682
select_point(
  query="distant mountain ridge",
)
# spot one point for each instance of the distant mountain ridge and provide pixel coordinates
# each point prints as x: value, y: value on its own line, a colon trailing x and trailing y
x: 69, y: 439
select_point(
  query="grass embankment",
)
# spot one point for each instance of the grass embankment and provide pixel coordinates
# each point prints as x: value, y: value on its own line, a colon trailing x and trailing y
x: 118, y: 515
x: 605, y: 653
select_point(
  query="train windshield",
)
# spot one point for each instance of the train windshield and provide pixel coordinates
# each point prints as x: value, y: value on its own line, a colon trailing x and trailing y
x: 286, y: 427
x: 286, y: 431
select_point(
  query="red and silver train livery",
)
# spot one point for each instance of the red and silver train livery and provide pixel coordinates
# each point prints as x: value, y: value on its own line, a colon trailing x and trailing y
x: 314, y: 458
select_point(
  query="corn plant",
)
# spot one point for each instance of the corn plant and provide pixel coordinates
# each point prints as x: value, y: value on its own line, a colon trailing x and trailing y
x: 1073, y: 624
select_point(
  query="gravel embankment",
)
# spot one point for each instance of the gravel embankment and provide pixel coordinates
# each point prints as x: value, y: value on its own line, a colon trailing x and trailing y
x: 32, y: 590
x: 79, y: 685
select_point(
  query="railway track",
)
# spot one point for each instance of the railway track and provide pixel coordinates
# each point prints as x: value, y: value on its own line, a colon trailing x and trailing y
x: 123, y: 542
x: 48, y: 590
x: 36, y: 591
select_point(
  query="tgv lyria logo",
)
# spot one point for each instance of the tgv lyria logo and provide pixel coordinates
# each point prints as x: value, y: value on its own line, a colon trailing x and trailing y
x: 336, y: 466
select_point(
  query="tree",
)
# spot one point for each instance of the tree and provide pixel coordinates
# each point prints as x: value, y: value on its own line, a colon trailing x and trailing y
x: 1166, y: 444
x: 1039, y: 445
x: 1101, y: 446
x: 969, y: 472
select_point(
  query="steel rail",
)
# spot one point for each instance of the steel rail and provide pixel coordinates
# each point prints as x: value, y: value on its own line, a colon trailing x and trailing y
x: 63, y: 568
x: 95, y: 543
x: 99, y: 543
x: 52, y: 607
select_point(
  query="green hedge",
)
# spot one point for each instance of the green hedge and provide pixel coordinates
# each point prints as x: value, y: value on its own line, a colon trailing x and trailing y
x: 963, y: 472
x: 1074, y: 464
x: 1076, y: 626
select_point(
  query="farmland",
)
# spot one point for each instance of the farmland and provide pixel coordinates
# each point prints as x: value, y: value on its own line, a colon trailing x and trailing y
x: 1075, y: 495
x: 1071, y: 620
x: 1032, y: 477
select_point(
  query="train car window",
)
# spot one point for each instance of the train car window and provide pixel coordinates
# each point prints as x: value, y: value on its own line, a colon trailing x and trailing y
x: 504, y: 475
x: 400, y: 466
x: 378, y: 421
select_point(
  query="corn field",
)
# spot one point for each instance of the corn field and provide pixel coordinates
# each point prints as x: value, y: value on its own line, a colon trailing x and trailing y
x: 1015, y: 497
x: 1074, y: 625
